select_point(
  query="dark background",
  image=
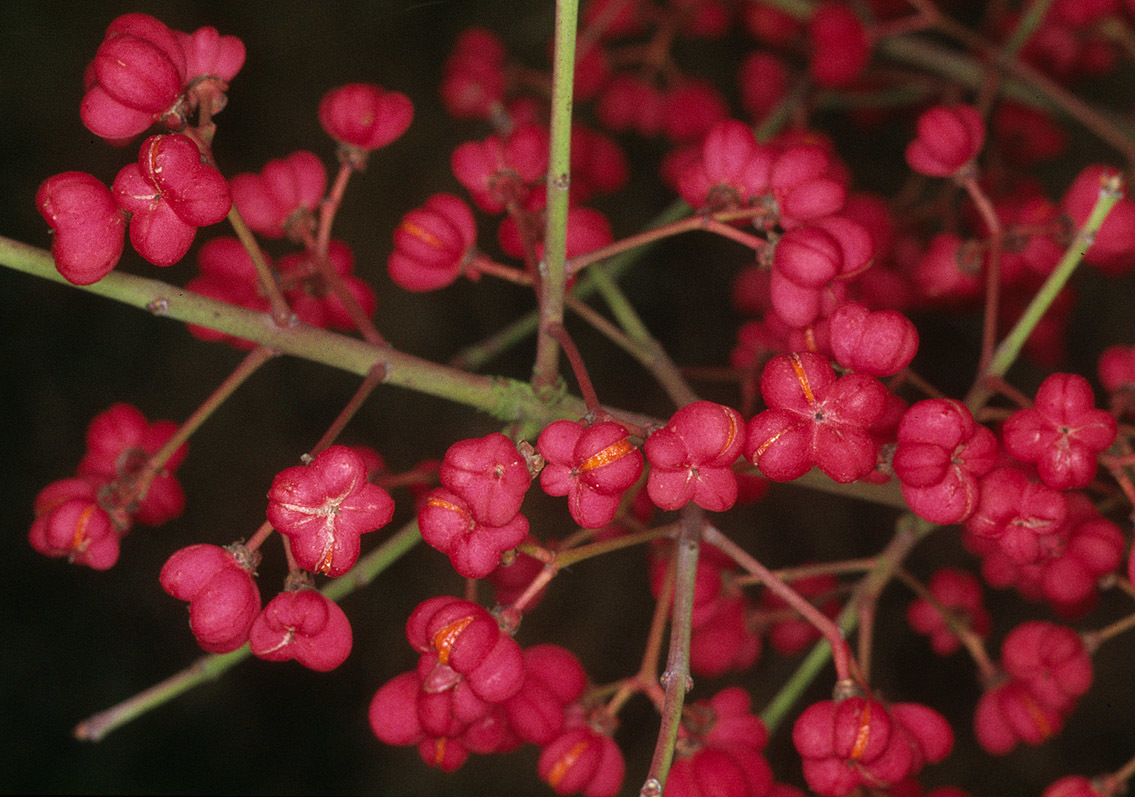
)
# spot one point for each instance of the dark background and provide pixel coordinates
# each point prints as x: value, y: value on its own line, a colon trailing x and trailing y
x: 73, y: 641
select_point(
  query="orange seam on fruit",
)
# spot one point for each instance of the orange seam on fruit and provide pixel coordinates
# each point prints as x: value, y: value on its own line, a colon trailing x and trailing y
x: 863, y: 734
x: 444, y: 639
x: 422, y: 234
x: 810, y: 339
x: 81, y: 527
x: 732, y: 431
x: 566, y: 762
x: 1036, y: 715
x: 802, y: 378
x: 615, y: 451
x: 152, y: 157
x: 764, y: 446
x: 441, y: 503
x: 439, y: 750
x: 325, y: 560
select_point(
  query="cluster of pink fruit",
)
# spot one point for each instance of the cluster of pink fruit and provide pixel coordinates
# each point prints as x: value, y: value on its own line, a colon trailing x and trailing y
x: 834, y: 289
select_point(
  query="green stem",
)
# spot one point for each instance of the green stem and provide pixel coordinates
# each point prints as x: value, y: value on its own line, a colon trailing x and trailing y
x: 207, y: 668
x: 1111, y: 190
x: 506, y: 399
x: 652, y: 355
x: 552, y: 269
x: 1030, y: 20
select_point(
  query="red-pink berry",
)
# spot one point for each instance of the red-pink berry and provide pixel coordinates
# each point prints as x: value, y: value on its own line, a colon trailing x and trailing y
x: 598, y: 164
x: 1062, y: 432
x: 631, y: 104
x: 879, y: 343
x: 1051, y: 659
x: 690, y: 109
x: 432, y: 244
x: 840, y: 45
x: 89, y: 228
x: 323, y: 507
x: 303, y: 625
x: 838, y: 741
x: 1116, y: 368
x: 223, y: 598
x: 119, y: 442
x: 208, y: 54
x: 500, y: 171
x: 724, y: 641
x: 393, y: 711
x: 226, y: 273
x: 582, y: 760
x: 1026, y: 136
x: 948, y: 139
x: 806, y: 183
x: 554, y: 678
x: 1113, y: 247
x: 170, y: 192
x: 956, y: 591
x: 946, y: 272
x: 712, y: 770
x: 489, y: 474
x: 1008, y: 714
x: 70, y: 523
x: 814, y: 419
x: 449, y: 524
x: 1075, y: 786
x: 310, y: 295
x: 691, y: 458
x: 473, y: 83
x: 941, y: 454
x: 137, y: 76
x: 592, y: 465
x: 764, y: 81
x: 458, y: 637
x: 1021, y: 515
x: 1093, y: 549
x: 365, y: 116
x: 283, y: 198
x: 859, y: 741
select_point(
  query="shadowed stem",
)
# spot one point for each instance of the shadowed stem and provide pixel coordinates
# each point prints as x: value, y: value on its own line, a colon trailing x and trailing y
x: 281, y: 312
x: 323, y: 264
x: 909, y: 529
x: 992, y: 269
x: 139, y: 483
x: 845, y: 665
x: 676, y: 677
x: 373, y: 379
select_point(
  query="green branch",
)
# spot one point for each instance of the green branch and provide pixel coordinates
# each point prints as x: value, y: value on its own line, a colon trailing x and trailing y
x: 502, y: 398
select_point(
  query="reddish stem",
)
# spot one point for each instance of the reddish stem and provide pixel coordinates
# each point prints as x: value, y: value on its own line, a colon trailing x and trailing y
x: 992, y: 270
x: 578, y: 367
x: 373, y: 379
x: 845, y: 665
